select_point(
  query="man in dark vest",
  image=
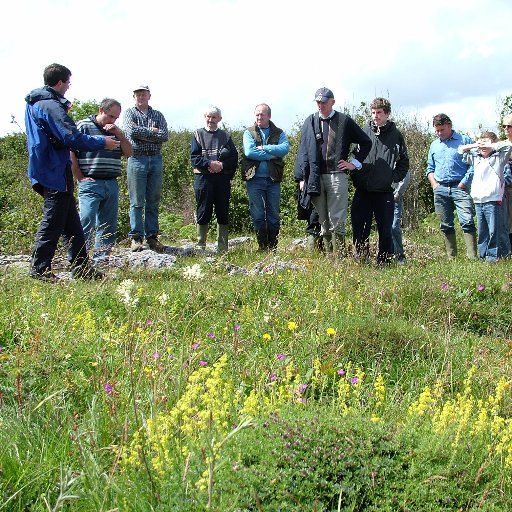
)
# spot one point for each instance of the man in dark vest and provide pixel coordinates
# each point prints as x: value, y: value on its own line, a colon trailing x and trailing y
x: 214, y: 159
x: 265, y: 145
x: 323, y: 170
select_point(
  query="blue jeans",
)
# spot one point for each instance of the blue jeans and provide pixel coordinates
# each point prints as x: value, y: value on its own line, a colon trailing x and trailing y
x: 447, y: 199
x: 264, y: 198
x: 489, y: 222
x: 145, y: 177
x: 396, y: 229
x: 503, y: 231
x: 98, y: 201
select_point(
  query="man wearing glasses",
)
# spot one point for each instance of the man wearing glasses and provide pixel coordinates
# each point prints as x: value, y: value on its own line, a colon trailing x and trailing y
x: 507, y: 196
x: 51, y: 133
x: 450, y: 179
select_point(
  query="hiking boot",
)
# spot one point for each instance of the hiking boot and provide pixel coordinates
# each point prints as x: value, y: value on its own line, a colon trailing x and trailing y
x: 137, y: 244
x: 87, y: 273
x: 154, y: 244
x: 48, y: 276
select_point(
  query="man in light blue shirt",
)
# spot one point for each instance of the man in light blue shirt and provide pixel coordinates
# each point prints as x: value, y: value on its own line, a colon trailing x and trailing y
x: 265, y: 145
x: 450, y: 178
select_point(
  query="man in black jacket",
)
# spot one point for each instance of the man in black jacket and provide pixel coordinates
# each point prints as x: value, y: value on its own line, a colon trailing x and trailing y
x: 386, y: 163
x: 323, y: 165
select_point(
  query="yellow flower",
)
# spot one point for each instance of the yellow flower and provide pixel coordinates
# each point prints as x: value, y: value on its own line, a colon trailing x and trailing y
x: 267, y: 337
x: 330, y: 331
x: 292, y: 326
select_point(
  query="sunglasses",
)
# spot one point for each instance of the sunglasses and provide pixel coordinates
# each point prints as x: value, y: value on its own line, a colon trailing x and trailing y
x: 507, y: 126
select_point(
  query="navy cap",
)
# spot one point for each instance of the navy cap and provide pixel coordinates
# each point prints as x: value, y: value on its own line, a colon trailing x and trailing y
x: 323, y: 94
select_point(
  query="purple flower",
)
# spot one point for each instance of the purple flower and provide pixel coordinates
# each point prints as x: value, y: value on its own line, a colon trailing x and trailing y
x: 481, y: 287
x: 341, y: 371
x: 273, y: 377
x: 354, y: 380
x: 236, y: 327
x: 195, y: 345
x: 149, y: 322
x: 211, y: 335
x: 281, y: 357
x: 203, y: 363
x: 303, y: 388
x: 444, y: 286
x: 108, y: 388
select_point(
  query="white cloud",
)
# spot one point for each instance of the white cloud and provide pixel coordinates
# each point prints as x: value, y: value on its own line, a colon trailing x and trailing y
x: 426, y: 58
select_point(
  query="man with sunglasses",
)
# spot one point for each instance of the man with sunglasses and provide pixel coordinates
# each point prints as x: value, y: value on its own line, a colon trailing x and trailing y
x: 450, y: 178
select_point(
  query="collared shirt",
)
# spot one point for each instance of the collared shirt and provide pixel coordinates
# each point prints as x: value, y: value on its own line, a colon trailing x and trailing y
x: 138, y: 128
x: 446, y: 163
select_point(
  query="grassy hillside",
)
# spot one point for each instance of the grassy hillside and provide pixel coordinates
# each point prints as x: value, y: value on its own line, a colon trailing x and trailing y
x: 302, y: 383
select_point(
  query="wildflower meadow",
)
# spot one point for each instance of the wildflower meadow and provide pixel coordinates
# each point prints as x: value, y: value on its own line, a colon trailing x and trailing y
x: 329, y: 385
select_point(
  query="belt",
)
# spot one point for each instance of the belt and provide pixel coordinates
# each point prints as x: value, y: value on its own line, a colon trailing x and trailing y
x: 138, y: 152
x: 449, y: 183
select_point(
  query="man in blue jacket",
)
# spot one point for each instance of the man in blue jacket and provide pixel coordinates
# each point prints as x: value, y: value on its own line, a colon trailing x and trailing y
x: 51, y: 133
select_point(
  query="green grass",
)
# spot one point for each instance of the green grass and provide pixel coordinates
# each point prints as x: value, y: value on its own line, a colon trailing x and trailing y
x: 260, y: 391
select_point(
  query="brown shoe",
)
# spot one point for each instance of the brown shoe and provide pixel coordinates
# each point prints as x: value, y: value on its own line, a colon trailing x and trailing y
x: 154, y: 244
x: 137, y: 244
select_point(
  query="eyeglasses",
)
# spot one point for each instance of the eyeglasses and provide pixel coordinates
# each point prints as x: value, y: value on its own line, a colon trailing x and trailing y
x: 507, y: 126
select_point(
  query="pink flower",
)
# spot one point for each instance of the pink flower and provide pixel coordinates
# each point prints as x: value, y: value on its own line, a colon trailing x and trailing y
x: 444, y: 286
x: 203, y: 363
x: 236, y: 327
x: 281, y: 357
x: 354, y: 380
x: 156, y: 355
x: 481, y: 287
x: 341, y: 371
x: 195, y: 345
x: 149, y: 322
x: 273, y: 377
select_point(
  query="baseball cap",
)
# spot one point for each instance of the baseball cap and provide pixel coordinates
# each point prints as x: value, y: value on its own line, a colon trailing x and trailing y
x: 323, y: 94
x: 141, y: 88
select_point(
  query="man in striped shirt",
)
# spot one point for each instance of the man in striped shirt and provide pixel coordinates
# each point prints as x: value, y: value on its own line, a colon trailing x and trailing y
x: 96, y: 173
x: 146, y: 129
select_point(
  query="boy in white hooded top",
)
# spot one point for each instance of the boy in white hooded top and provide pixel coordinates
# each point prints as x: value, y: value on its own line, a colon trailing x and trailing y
x: 488, y: 158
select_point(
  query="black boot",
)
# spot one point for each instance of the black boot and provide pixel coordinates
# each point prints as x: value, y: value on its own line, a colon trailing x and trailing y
x: 273, y: 236
x: 262, y: 236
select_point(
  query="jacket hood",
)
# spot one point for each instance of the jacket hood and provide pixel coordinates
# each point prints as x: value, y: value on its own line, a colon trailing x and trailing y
x: 46, y: 93
x: 381, y: 129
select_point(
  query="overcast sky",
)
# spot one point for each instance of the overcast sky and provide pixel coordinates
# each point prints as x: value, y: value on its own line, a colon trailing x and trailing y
x: 426, y: 57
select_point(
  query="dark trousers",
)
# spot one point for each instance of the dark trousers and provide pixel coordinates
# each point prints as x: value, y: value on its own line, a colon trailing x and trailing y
x: 60, y: 218
x: 366, y: 205
x: 212, y: 190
